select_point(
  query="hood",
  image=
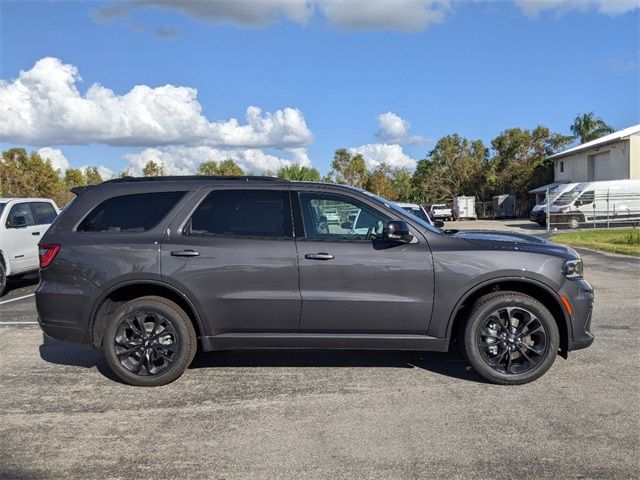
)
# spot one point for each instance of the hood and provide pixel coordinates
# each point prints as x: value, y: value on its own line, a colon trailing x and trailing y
x: 495, y: 240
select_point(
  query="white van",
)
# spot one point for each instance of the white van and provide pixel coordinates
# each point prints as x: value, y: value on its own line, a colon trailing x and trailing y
x: 23, y: 221
x: 615, y: 201
x: 538, y: 213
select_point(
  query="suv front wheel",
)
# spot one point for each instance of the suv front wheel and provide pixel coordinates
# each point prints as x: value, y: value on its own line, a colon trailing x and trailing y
x: 510, y: 338
x: 150, y: 341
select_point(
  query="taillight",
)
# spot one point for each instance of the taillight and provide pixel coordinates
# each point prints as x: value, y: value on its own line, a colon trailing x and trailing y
x: 47, y: 252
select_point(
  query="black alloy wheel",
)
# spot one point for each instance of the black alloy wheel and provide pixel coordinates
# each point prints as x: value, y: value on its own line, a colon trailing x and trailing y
x: 510, y: 338
x: 150, y: 341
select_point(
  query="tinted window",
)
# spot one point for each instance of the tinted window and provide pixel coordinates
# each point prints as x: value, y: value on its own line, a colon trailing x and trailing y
x: 245, y: 213
x: 336, y: 217
x: 20, y: 210
x: 130, y: 213
x: 45, y: 213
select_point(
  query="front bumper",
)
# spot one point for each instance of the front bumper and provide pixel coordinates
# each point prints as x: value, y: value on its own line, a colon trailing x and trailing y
x: 581, y: 297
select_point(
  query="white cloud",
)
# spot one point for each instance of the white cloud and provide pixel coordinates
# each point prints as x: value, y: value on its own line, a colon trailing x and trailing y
x: 248, y: 12
x: 400, y: 15
x: 57, y: 158
x: 609, y: 7
x: 184, y: 160
x: 397, y: 15
x: 403, y: 15
x: 43, y: 106
x: 377, y: 153
x: 394, y: 129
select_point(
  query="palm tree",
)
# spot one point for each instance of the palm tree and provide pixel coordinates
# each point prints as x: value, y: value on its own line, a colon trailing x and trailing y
x: 588, y: 127
x: 297, y: 172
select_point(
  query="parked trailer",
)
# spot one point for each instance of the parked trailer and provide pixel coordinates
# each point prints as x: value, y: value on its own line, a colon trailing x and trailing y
x: 464, y: 207
x: 505, y: 206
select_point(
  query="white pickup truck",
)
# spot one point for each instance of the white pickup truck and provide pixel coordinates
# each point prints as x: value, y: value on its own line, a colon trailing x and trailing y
x: 440, y: 211
x: 23, y: 221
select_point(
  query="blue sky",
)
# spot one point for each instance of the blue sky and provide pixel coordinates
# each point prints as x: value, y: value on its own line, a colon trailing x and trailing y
x: 321, y: 78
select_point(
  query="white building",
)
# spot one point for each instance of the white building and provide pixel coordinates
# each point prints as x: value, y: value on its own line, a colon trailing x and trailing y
x: 613, y: 157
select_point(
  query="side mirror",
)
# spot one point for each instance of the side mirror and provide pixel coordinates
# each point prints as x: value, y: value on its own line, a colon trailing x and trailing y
x: 18, y: 221
x: 346, y: 225
x: 438, y: 223
x: 397, y: 231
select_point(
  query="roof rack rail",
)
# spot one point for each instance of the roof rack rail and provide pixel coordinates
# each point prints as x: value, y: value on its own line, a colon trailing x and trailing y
x: 174, y: 178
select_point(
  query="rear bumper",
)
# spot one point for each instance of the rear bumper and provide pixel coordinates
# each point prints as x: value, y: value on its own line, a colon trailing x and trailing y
x: 66, y: 333
x: 60, y: 315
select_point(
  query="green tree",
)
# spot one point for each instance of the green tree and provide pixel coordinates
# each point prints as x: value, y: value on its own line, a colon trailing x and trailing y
x: 298, y: 172
x: 380, y: 182
x: 455, y: 166
x: 225, y: 168
x: 92, y: 176
x: 229, y: 168
x: 588, y: 127
x: 153, y: 169
x: 28, y: 175
x: 348, y: 169
x: 403, y: 186
x: 521, y: 160
x: 74, y: 177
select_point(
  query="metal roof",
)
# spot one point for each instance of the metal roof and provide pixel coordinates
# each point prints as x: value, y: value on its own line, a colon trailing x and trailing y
x: 611, y: 138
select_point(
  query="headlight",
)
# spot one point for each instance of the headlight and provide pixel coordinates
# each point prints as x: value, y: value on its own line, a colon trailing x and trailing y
x: 573, y: 268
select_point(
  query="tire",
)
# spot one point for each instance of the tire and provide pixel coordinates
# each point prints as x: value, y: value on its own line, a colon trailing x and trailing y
x: 3, y: 278
x: 167, y: 354
x: 486, y: 341
x: 574, y: 222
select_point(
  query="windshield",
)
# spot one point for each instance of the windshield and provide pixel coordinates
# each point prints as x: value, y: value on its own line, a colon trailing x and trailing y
x: 568, y: 197
x: 402, y: 211
x: 439, y: 207
x: 2, y: 207
x: 418, y: 212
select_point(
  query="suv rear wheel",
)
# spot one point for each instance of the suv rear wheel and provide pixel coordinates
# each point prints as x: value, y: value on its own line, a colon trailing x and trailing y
x: 510, y: 338
x: 150, y: 341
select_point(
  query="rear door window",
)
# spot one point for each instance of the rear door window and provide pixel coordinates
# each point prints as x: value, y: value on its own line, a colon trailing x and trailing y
x: 242, y: 213
x: 130, y: 213
x: 44, y: 212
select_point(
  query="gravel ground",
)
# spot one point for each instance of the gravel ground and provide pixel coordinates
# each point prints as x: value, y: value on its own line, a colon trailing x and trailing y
x: 323, y: 414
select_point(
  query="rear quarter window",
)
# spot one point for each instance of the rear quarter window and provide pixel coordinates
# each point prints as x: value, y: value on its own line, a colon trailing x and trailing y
x: 130, y: 213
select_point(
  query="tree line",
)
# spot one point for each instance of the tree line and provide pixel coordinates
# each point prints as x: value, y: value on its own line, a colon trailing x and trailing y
x: 515, y: 161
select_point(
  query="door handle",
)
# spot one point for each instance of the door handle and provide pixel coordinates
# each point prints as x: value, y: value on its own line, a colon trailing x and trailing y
x: 319, y: 256
x: 35, y: 233
x: 184, y: 253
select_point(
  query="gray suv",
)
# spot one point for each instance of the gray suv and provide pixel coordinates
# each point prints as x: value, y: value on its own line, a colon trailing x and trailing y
x: 150, y: 269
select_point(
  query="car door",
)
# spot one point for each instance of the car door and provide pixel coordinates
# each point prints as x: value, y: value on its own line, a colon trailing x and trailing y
x: 44, y: 214
x: 351, y: 280
x: 231, y: 250
x: 21, y: 238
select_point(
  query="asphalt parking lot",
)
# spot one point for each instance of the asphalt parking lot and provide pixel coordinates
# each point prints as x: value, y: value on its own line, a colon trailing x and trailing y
x: 318, y: 414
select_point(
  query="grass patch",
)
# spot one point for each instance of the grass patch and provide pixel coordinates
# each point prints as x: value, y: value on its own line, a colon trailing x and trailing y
x: 625, y: 241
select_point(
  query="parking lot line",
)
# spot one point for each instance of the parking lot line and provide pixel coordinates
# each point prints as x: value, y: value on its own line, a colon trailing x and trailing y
x: 17, y: 323
x: 16, y: 299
